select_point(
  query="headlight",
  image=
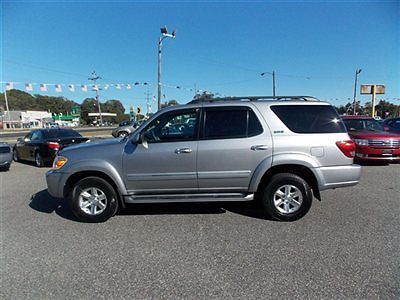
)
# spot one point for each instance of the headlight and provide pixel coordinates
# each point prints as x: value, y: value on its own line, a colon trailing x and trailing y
x: 361, y: 142
x: 59, y: 162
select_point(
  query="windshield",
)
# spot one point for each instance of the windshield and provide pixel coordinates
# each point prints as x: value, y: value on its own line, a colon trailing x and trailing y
x: 61, y: 133
x: 362, y: 124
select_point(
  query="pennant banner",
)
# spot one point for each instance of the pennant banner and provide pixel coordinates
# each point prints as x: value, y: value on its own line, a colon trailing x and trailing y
x: 71, y: 88
x: 29, y: 86
x: 43, y: 87
x: 9, y: 86
x: 58, y: 88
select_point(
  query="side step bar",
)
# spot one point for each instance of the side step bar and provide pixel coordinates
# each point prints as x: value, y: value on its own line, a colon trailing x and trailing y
x: 169, y: 198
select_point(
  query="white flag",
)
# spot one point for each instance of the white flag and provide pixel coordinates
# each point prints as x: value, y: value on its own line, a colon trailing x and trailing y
x: 128, y: 86
x: 84, y: 87
x: 71, y: 88
x: 95, y: 87
x: 29, y: 86
x: 43, y: 87
x: 118, y: 86
x: 106, y: 86
x: 9, y: 86
x: 58, y: 88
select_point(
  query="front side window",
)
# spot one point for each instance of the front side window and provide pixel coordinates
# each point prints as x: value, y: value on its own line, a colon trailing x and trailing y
x: 173, y: 126
x: 36, y: 136
x: 230, y: 123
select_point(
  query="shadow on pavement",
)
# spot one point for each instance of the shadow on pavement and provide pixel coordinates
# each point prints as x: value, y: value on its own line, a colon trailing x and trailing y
x: 43, y: 202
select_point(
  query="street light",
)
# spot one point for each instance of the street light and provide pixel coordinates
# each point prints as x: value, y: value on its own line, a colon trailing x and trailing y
x: 358, y: 71
x: 273, y: 81
x: 165, y: 34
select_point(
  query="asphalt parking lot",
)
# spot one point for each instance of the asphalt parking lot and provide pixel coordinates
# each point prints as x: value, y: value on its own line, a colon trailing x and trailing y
x: 348, y: 246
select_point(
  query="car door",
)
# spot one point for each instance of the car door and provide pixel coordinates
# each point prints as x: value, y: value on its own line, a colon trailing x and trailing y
x: 21, y: 146
x: 233, y: 142
x: 168, y: 163
x: 34, y: 143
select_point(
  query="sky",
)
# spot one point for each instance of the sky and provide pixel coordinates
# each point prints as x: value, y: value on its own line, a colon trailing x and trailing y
x: 222, y: 47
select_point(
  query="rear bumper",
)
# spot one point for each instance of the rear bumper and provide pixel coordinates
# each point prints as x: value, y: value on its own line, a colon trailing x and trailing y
x: 338, y: 176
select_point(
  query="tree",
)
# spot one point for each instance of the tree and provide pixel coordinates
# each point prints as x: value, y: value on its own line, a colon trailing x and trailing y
x: 169, y: 103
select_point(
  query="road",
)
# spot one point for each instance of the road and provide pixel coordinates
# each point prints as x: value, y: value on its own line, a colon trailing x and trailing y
x: 348, y: 246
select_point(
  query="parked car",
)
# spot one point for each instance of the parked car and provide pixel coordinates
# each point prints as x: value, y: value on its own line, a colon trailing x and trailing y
x: 282, y: 153
x: 5, y: 156
x: 41, y: 145
x: 125, y: 128
x: 373, y: 143
x: 392, y: 125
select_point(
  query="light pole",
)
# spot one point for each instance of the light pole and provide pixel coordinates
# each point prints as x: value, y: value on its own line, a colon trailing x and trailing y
x: 358, y: 71
x: 94, y: 77
x: 273, y: 81
x: 165, y: 34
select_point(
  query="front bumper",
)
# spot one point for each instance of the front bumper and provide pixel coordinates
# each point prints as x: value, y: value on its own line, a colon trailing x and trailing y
x: 370, y: 153
x: 338, y: 176
x: 56, y: 182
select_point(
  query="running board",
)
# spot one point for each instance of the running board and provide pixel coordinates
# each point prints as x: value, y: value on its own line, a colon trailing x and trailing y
x: 169, y: 198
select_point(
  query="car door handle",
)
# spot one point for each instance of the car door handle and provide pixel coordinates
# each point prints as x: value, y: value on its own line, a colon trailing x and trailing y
x: 259, y: 147
x: 183, y: 150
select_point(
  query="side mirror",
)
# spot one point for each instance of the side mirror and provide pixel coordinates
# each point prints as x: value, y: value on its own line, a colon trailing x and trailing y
x: 140, y: 139
x: 20, y: 139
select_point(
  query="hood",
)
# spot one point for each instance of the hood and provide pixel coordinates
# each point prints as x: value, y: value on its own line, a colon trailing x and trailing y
x: 91, y: 146
x: 374, y: 135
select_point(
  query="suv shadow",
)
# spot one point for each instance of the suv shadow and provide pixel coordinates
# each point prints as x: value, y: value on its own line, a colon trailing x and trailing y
x: 43, y: 202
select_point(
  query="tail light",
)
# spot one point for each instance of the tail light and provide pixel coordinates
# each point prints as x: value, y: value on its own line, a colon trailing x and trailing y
x: 347, y: 147
x: 54, y: 145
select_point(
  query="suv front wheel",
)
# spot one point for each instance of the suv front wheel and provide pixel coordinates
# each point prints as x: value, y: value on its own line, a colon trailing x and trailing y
x: 287, y: 197
x: 93, y: 200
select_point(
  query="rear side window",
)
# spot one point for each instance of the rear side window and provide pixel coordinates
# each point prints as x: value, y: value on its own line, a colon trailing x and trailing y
x: 310, y: 118
x: 230, y: 123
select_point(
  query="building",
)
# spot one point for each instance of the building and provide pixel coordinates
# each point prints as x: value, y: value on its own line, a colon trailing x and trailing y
x: 24, y: 119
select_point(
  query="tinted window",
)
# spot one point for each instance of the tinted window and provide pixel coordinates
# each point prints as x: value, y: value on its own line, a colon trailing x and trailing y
x: 60, y: 133
x: 230, y: 123
x: 173, y: 126
x: 310, y: 118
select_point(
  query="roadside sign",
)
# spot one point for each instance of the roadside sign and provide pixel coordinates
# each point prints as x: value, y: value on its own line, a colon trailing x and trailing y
x: 369, y: 89
x: 372, y: 89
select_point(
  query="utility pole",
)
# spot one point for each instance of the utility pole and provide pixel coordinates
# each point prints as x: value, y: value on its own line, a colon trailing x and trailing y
x: 148, y: 94
x: 273, y: 83
x: 94, y: 77
x: 165, y: 34
x: 358, y: 71
x: 8, y: 110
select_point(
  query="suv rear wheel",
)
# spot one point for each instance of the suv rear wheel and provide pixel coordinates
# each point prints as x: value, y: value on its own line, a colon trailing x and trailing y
x: 287, y: 197
x: 93, y: 200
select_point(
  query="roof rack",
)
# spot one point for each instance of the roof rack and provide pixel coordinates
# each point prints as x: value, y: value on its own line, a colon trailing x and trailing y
x: 257, y: 98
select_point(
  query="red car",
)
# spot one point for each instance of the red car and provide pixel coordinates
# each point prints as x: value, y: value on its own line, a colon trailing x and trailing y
x: 372, y: 142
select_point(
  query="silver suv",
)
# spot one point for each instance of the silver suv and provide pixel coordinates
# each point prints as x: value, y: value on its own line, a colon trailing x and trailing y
x: 281, y: 151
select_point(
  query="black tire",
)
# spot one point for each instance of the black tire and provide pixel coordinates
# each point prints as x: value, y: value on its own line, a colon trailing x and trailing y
x: 111, y: 205
x: 122, y: 134
x: 38, y: 160
x: 295, y: 183
x: 15, y: 155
